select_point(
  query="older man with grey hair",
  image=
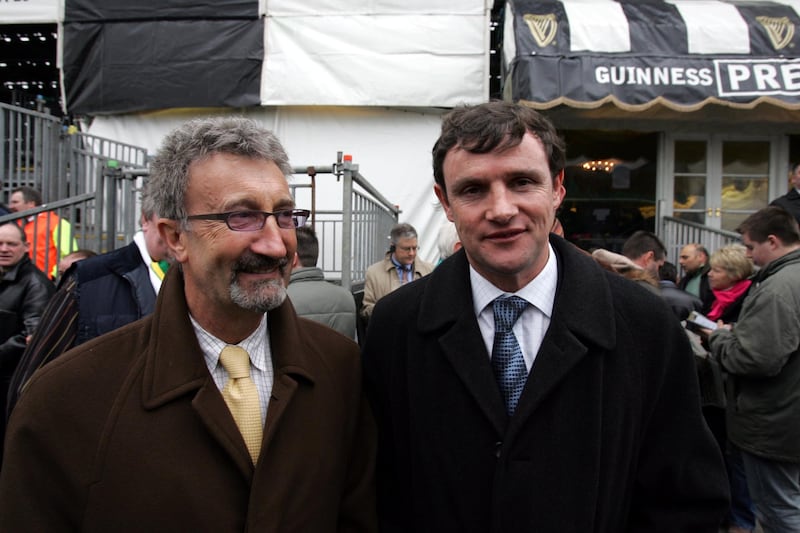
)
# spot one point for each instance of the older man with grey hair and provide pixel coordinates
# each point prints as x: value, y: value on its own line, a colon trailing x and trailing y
x: 400, y: 266
x: 221, y: 411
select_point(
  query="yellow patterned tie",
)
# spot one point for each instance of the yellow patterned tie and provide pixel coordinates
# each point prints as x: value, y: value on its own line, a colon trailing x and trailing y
x: 242, y: 397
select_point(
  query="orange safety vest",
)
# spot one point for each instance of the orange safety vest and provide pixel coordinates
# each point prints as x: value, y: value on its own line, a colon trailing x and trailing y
x: 43, y: 235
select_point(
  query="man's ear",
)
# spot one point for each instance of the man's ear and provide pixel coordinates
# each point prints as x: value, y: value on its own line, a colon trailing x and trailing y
x: 774, y: 242
x: 559, y: 191
x: 295, y: 261
x: 173, y: 237
x: 644, y: 259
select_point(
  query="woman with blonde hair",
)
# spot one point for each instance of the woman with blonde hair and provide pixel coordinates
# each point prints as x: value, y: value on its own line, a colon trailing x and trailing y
x: 729, y: 281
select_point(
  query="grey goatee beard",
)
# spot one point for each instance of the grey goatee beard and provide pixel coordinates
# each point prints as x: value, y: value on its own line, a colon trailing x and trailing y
x: 260, y: 296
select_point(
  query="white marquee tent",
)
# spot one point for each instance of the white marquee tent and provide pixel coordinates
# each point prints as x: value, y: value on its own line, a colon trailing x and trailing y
x: 366, y: 77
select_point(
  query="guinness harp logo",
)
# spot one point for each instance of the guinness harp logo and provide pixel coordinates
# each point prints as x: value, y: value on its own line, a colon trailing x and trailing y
x: 544, y: 27
x: 780, y: 30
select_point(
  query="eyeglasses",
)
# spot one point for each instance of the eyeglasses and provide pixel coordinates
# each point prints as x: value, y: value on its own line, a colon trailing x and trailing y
x: 255, y: 220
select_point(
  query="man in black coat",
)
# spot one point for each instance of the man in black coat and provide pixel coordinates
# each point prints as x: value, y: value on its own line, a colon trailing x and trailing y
x: 583, y: 416
x: 791, y: 200
x: 681, y: 302
x: 24, y: 292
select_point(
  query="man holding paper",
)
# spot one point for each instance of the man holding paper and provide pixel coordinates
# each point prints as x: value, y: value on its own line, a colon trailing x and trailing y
x: 761, y: 356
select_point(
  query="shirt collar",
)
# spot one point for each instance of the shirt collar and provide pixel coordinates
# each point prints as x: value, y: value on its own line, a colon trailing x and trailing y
x: 138, y: 238
x: 539, y: 292
x: 255, y: 344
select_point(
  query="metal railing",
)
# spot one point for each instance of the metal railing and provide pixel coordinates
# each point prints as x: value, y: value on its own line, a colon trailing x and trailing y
x: 40, y: 151
x: 352, y: 239
x: 676, y: 233
x: 79, y: 179
x: 30, y: 147
x: 94, y: 184
x: 100, y: 221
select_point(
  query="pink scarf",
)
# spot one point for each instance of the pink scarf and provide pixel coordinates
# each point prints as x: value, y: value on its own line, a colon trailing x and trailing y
x: 725, y: 297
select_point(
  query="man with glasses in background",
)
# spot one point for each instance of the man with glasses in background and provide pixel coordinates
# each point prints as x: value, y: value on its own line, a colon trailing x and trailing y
x: 399, y: 267
x: 221, y: 411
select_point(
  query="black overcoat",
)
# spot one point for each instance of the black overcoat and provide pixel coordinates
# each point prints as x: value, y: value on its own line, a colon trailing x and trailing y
x: 608, y: 435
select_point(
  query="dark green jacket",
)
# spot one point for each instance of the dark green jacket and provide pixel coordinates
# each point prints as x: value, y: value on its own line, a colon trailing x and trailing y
x: 321, y: 301
x: 761, y: 356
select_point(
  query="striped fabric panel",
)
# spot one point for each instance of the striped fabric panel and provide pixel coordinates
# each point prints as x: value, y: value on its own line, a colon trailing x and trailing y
x: 599, y: 26
x: 683, y: 53
x: 713, y: 27
x: 654, y: 28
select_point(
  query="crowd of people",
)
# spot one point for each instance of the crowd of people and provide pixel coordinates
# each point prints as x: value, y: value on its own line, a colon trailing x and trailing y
x: 750, y: 294
x: 207, y: 377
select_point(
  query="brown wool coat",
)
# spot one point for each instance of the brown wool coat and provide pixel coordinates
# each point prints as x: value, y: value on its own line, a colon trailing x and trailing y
x: 129, y: 433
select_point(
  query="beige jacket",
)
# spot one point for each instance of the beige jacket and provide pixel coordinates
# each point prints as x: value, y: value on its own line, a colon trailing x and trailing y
x: 382, y: 279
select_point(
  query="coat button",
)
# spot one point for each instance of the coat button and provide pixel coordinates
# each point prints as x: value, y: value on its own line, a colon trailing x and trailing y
x: 498, y: 448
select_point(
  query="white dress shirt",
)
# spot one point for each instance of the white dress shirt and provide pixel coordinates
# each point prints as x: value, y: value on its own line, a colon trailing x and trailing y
x: 532, y: 325
x: 138, y: 238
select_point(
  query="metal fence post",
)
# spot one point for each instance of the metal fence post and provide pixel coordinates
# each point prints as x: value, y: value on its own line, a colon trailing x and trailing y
x: 110, y: 172
x: 348, y: 168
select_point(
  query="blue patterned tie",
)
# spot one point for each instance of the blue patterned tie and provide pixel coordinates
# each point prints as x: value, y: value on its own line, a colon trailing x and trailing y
x: 507, y: 361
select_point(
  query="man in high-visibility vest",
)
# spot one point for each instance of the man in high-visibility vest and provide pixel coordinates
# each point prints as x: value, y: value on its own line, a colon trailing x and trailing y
x: 50, y: 236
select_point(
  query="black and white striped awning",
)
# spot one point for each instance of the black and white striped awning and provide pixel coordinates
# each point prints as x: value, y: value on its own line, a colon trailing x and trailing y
x: 681, y: 54
x: 122, y: 56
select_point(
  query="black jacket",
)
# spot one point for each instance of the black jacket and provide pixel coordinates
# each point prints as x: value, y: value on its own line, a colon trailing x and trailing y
x: 607, y: 436
x: 97, y: 295
x: 681, y: 302
x: 114, y: 289
x: 706, y: 294
x: 24, y: 293
x: 789, y: 201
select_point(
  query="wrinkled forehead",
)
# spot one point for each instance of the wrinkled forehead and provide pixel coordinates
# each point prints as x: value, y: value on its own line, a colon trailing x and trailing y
x: 233, y: 179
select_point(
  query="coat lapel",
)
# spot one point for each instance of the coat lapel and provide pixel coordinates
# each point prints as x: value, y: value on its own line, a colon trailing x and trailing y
x: 575, y: 327
x: 474, y: 369
x: 447, y: 310
x: 175, y: 367
x: 290, y: 360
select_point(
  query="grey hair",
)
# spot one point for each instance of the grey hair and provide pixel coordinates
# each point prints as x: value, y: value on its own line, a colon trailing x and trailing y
x: 402, y: 231
x: 198, y: 139
x: 148, y: 205
x: 447, y: 239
